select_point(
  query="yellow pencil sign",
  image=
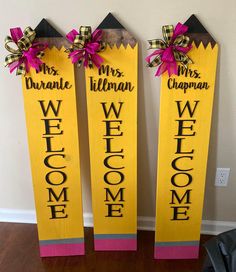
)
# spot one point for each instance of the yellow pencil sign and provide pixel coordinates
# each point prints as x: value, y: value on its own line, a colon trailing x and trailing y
x: 112, y: 119
x: 51, y: 117
x: 184, y: 129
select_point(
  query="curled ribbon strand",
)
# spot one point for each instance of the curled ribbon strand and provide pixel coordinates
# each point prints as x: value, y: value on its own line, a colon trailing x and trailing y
x: 171, y: 50
x: 85, y: 46
x: 27, y: 52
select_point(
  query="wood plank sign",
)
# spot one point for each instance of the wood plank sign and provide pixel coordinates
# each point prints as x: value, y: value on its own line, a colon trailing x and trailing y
x: 112, y: 118
x: 51, y: 117
x: 184, y: 129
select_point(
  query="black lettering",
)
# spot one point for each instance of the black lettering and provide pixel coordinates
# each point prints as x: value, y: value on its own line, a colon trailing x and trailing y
x: 181, y: 127
x: 180, y: 199
x: 173, y: 164
x: 111, y: 109
x: 56, y: 181
x: 186, y: 106
x: 48, y: 126
x: 179, y: 147
x: 49, y: 165
x: 51, y: 107
x: 55, y: 212
x: 180, y: 211
x: 57, y: 197
x: 107, y: 164
x: 111, y: 181
x: 113, y: 211
x: 108, y: 146
x: 49, y: 145
x: 183, y: 174
x: 120, y: 194
x: 109, y: 128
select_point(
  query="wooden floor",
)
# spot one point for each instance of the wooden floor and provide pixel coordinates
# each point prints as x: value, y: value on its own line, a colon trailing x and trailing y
x: 19, y: 253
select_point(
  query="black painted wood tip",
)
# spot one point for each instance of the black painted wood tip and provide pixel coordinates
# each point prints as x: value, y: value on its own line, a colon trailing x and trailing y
x: 194, y: 25
x: 114, y: 32
x: 110, y: 22
x: 198, y: 33
x: 45, y: 30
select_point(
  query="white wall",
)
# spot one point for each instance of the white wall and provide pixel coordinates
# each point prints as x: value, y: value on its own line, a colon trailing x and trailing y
x: 144, y: 19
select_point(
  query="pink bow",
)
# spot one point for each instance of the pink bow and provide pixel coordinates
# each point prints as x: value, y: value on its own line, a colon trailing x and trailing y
x: 85, y: 49
x: 28, y: 52
x: 170, y: 51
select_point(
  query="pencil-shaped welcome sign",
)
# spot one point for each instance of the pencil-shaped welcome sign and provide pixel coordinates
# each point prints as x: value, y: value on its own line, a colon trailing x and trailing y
x: 51, y: 117
x: 184, y: 129
x: 112, y: 119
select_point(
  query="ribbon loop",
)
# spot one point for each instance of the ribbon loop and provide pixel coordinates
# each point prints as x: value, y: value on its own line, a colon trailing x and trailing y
x: 30, y: 33
x: 156, y: 61
x: 21, y: 69
x: 12, y: 50
x: 83, y: 37
x: 86, y: 32
x: 27, y: 53
x: 79, y: 42
x: 171, y: 50
x: 85, y: 46
x: 157, y: 43
x: 25, y: 42
x: 184, y: 59
x: 168, y: 31
x: 182, y: 41
x: 11, y: 58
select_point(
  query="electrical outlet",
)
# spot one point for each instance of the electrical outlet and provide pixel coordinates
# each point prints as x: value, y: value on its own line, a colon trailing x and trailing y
x: 222, y: 176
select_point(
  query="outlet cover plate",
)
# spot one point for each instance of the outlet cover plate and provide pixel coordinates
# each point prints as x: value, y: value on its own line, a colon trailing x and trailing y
x: 222, y: 177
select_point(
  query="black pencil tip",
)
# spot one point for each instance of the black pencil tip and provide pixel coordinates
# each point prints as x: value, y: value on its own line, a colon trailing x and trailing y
x: 194, y: 25
x: 110, y: 22
x: 45, y: 30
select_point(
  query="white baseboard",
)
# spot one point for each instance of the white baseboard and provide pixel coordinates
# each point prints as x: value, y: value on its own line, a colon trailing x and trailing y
x: 18, y: 216
x: 144, y: 223
x: 215, y: 227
